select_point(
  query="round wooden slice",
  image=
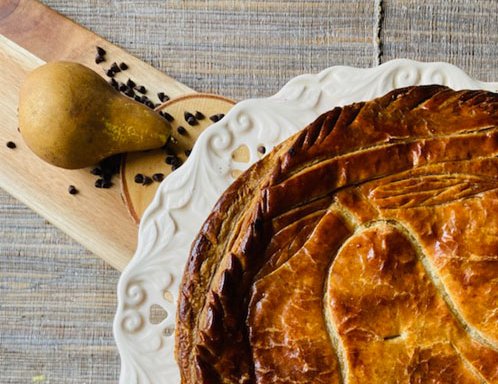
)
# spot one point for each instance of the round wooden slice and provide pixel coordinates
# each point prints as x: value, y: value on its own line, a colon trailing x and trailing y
x: 138, y: 194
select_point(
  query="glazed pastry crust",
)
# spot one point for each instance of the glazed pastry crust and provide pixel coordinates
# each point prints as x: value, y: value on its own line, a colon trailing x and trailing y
x: 362, y: 249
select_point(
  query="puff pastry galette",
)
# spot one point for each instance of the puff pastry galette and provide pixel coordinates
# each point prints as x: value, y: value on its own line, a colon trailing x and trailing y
x: 364, y: 249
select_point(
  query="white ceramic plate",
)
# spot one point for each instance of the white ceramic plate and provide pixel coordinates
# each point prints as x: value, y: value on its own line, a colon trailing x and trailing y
x: 151, y: 280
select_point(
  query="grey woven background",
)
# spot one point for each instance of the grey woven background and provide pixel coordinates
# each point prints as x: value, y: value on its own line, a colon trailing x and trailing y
x: 56, y: 299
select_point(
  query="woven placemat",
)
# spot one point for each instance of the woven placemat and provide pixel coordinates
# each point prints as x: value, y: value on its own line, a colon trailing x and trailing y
x: 57, y: 300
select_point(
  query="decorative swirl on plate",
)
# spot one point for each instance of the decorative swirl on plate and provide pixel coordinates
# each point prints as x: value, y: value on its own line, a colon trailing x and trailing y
x: 185, y: 198
x: 135, y: 294
x: 406, y: 77
x: 132, y: 322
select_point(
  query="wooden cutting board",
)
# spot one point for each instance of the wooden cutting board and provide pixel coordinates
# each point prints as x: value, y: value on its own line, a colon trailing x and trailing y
x: 31, y: 34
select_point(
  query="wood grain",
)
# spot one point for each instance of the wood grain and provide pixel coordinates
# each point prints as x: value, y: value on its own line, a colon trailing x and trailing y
x: 96, y: 218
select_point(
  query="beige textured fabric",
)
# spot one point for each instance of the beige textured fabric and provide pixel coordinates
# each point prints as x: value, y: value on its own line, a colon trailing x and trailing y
x: 57, y: 301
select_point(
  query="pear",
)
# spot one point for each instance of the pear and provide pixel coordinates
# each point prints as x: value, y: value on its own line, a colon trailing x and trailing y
x: 72, y: 118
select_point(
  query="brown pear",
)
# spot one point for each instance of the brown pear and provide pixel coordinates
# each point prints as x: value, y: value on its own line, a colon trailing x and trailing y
x: 72, y: 118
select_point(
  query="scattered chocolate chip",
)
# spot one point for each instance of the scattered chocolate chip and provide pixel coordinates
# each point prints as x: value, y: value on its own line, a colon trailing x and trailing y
x: 130, y: 83
x: 139, y: 178
x: 114, y: 83
x: 162, y: 97
x: 217, y: 117
x: 147, y: 180
x: 123, y: 66
x: 189, y: 118
x: 176, y: 162
x: 110, y: 165
x: 188, y: 152
x: 262, y: 149
x: 181, y: 130
x: 141, y: 89
x: 107, y: 176
x: 199, y: 115
x: 11, y: 145
x: 98, y: 183
x: 115, y: 68
x: 99, y: 59
x: 110, y: 73
x: 96, y: 171
x: 72, y: 190
x: 158, y: 177
x: 106, y: 184
x: 101, y: 51
x: 123, y: 87
x: 174, y: 167
x: 149, y: 104
x: 167, y: 116
x: 137, y: 98
x: 129, y: 92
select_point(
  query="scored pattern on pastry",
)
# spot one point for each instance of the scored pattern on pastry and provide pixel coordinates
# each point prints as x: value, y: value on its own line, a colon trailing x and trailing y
x: 362, y: 249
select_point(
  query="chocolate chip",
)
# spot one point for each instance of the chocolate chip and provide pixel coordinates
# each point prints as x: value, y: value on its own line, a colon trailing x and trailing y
x: 98, y: 183
x: 129, y: 92
x: 115, y: 68
x: 137, y: 98
x: 11, y: 145
x: 188, y: 152
x: 174, y: 167
x: 101, y: 51
x: 262, y: 149
x: 176, y: 162
x: 141, y: 89
x: 162, y: 97
x: 106, y: 184
x: 189, y: 118
x: 72, y: 190
x: 147, y: 180
x: 167, y: 116
x: 99, y: 59
x: 114, y: 83
x: 139, y: 178
x: 149, y: 104
x: 96, y: 171
x: 110, y: 165
x: 181, y: 130
x: 130, y: 83
x: 199, y: 115
x: 123, y: 87
x: 158, y: 177
x: 123, y: 66
x: 110, y: 73
x: 107, y: 176
x: 217, y: 117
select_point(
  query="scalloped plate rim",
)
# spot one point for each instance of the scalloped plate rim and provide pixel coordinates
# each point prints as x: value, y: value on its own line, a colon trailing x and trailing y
x: 312, y: 85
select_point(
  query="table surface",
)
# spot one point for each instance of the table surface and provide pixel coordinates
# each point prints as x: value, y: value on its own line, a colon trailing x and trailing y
x: 57, y: 300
